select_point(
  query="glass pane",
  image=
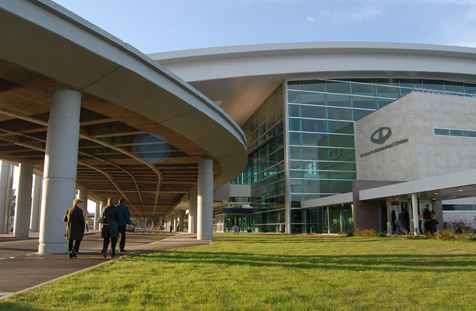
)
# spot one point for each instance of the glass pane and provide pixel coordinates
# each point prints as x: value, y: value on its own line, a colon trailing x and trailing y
x: 312, y: 139
x: 294, y: 124
x: 359, y: 114
x: 384, y: 91
x: 471, y: 134
x: 313, y: 98
x: 341, y: 127
x: 340, y: 114
x: 313, y: 112
x: 341, y: 141
x: 295, y: 153
x: 433, y: 85
x: 338, y: 87
x: 364, y: 102
x: 313, y: 125
x: 293, y: 85
x: 454, y: 87
x: 410, y: 83
x: 338, y: 100
x: 469, y: 88
x: 341, y: 166
x: 293, y: 97
x: 346, y: 175
x: 318, y: 86
x: 294, y: 110
x: 363, y: 89
x: 404, y: 91
x: 294, y: 138
x: 456, y: 133
x: 393, y: 82
x: 384, y: 102
x: 442, y: 132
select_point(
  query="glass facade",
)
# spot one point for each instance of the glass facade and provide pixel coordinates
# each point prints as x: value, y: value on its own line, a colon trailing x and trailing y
x: 265, y: 171
x: 320, y: 142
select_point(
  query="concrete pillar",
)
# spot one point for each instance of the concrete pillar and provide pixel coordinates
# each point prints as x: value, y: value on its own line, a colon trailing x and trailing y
x: 4, y: 201
x: 181, y: 217
x: 59, y: 177
x: 192, y: 210
x: 175, y: 221
x: 415, y: 214
x: 97, y: 213
x: 83, y: 196
x: 21, y: 225
x: 205, y: 200
x: 389, y: 218
x: 35, y: 204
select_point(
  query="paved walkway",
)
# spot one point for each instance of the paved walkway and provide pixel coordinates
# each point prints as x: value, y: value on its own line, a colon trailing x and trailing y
x: 22, y: 268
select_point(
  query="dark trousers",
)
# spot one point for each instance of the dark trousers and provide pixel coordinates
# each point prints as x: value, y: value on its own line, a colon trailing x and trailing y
x: 113, y: 244
x: 122, y: 232
x: 76, y: 245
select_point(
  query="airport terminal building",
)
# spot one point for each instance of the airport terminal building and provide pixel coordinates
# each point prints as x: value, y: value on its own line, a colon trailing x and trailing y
x: 315, y: 137
x: 326, y: 122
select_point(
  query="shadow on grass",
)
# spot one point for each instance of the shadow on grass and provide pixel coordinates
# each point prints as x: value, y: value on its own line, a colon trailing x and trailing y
x: 4, y: 306
x: 387, y: 263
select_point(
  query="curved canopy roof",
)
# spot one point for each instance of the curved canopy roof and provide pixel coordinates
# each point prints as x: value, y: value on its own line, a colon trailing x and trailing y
x: 241, y: 77
x: 142, y: 129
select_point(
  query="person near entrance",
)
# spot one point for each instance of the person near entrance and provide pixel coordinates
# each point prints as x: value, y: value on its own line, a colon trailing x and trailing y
x: 123, y: 223
x: 236, y: 227
x: 74, y: 220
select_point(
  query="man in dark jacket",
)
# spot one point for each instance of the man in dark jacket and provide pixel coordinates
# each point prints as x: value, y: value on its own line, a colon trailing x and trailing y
x: 125, y: 221
x: 74, y: 220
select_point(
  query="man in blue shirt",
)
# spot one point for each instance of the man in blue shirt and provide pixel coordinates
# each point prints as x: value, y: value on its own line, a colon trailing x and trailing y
x: 125, y: 220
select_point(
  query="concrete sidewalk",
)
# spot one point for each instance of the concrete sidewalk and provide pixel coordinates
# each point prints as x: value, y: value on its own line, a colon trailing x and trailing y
x: 27, y: 269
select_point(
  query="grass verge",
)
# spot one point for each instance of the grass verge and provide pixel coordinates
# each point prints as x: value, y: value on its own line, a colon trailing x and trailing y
x: 261, y: 272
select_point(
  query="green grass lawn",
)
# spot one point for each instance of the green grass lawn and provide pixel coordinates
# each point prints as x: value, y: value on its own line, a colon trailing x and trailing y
x: 274, y: 272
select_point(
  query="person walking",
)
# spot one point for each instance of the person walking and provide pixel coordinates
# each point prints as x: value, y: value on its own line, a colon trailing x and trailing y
x: 110, y: 229
x: 427, y: 218
x: 74, y: 220
x: 236, y: 227
x: 123, y: 222
x: 434, y: 222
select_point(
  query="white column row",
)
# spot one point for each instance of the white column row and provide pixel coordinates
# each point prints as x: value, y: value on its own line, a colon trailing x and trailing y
x: 59, y: 183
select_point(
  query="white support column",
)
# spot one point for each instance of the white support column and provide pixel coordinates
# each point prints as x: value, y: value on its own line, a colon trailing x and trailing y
x: 97, y: 213
x: 192, y: 210
x: 415, y: 213
x: 83, y: 196
x: 59, y: 177
x: 181, y: 217
x: 35, y: 204
x: 175, y: 221
x: 4, y: 204
x: 389, y: 218
x: 21, y: 226
x: 205, y: 200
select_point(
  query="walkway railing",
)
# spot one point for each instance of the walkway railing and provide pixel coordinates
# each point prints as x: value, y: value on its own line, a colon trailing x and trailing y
x: 441, y: 92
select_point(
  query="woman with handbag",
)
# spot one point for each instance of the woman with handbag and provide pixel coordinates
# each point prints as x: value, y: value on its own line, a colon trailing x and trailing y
x: 110, y: 229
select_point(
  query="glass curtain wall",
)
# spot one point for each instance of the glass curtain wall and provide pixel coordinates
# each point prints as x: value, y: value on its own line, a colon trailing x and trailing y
x: 265, y: 171
x: 321, y: 138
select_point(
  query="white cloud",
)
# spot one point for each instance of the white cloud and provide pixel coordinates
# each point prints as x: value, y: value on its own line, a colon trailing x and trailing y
x: 365, y: 13
x: 309, y: 19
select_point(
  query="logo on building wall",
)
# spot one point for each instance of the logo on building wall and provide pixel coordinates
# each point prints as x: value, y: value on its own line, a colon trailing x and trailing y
x: 381, y: 135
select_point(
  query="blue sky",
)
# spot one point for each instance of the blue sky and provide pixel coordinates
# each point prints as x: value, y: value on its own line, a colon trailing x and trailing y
x: 159, y: 25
